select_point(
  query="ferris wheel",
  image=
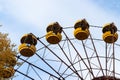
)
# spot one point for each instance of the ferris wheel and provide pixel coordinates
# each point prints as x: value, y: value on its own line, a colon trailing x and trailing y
x: 81, y: 52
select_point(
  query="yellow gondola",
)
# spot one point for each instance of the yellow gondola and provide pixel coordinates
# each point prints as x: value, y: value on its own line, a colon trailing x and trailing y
x: 110, y: 33
x: 81, y: 31
x: 53, y: 35
x: 29, y: 38
x: 7, y: 72
x: 53, y: 38
x: 81, y: 34
x: 27, y: 50
x: 28, y: 43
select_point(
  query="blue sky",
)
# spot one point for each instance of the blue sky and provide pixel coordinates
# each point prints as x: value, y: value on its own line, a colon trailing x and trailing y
x: 19, y: 17
x: 23, y: 16
x: 109, y: 5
